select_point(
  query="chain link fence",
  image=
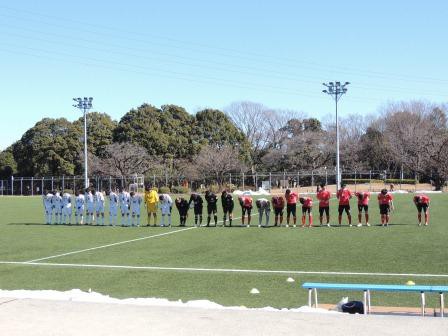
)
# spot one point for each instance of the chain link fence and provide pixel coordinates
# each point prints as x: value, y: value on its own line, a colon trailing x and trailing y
x: 304, y: 181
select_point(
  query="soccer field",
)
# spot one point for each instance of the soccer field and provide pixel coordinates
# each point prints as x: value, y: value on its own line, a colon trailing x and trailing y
x: 224, y: 264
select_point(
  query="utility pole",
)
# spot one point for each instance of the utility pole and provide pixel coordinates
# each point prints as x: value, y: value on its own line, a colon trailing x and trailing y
x: 84, y: 105
x: 336, y: 90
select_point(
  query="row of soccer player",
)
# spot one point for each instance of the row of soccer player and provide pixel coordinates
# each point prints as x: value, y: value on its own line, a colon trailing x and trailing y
x: 129, y: 205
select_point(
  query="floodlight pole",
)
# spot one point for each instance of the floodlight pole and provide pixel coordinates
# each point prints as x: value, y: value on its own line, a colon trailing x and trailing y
x: 85, y: 105
x: 336, y: 89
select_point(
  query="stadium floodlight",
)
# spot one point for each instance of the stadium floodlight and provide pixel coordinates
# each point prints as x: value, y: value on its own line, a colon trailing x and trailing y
x: 336, y: 90
x: 85, y: 105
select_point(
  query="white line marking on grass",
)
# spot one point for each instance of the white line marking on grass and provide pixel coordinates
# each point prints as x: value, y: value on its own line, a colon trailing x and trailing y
x: 221, y: 270
x: 117, y: 243
x: 109, y: 245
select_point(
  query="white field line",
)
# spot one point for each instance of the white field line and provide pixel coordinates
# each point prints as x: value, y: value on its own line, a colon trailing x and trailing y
x: 117, y: 243
x: 221, y: 270
x: 109, y: 245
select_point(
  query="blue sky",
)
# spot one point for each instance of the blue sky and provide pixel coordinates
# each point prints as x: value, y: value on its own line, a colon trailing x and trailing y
x: 201, y: 54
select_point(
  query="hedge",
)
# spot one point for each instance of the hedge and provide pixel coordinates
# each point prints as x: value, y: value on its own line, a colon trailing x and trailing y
x: 386, y: 181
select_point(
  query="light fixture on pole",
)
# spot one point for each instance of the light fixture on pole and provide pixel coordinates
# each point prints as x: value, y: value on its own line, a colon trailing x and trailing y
x: 336, y: 90
x: 85, y: 105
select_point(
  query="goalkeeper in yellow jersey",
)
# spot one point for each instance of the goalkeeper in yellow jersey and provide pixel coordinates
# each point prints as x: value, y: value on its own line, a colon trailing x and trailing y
x: 151, y: 203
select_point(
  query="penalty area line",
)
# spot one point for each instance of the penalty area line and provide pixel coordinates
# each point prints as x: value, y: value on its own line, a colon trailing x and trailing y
x: 219, y: 270
x: 117, y: 243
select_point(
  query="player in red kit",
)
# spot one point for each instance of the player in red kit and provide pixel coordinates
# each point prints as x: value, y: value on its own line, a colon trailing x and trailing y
x: 344, y: 196
x: 278, y: 203
x: 291, y: 206
x: 385, y: 201
x: 363, y: 205
x: 246, y: 208
x: 422, y: 203
x: 307, y: 206
x: 323, y: 195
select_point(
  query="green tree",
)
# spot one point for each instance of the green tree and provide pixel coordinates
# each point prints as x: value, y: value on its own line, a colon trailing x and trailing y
x: 8, y: 165
x: 214, y: 128
x: 100, y: 129
x: 51, y: 147
x: 166, y: 132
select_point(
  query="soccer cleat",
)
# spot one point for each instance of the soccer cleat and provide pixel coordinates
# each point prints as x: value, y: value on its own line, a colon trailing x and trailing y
x: 247, y: 225
x: 419, y: 224
x: 367, y: 224
x: 294, y: 225
x: 259, y: 225
x: 328, y: 225
x: 287, y: 225
x: 426, y: 224
x: 359, y: 225
x: 350, y: 225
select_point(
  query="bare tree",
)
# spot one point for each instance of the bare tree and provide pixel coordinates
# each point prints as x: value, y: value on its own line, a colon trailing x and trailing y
x: 216, y: 162
x: 262, y: 126
x: 417, y: 133
x: 122, y: 159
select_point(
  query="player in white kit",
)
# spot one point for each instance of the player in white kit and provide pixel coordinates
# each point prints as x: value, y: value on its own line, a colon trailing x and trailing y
x: 79, y: 207
x: 135, y: 200
x: 48, y: 207
x: 99, y: 207
x: 113, y: 208
x: 166, y: 205
x: 57, y: 207
x: 67, y: 208
x: 90, y: 206
x: 123, y: 199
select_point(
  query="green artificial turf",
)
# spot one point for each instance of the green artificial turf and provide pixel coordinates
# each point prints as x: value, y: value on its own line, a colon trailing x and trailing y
x: 403, y: 247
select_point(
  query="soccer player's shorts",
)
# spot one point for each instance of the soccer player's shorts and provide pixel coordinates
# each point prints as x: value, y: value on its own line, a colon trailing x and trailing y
x: 124, y: 209
x: 246, y: 210
x: 67, y: 210
x: 421, y: 207
x: 90, y: 208
x: 362, y: 207
x: 227, y: 209
x: 198, y: 210
x: 344, y: 207
x: 211, y: 208
x: 166, y: 210
x: 135, y: 212
x: 79, y: 210
x: 48, y: 210
x: 306, y: 209
x: 99, y: 207
x: 384, y: 209
x: 278, y: 211
x: 291, y: 209
x: 152, y: 207
x: 325, y: 209
x: 113, y: 211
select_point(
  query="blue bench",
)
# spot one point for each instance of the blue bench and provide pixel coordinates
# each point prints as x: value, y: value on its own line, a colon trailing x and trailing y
x: 367, y: 288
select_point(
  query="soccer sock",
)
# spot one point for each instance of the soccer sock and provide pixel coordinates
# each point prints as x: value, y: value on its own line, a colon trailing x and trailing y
x: 339, y: 219
x: 138, y: 220
x: 215, y: 217
x: 169, y: 219
x: 426, y: 218
x: 267, y: 217
x: 242, y: 219
x: 367, y: 217
x: 359, y: 218
x: 310, y: 218
x: 209, y: 218
x: 275, y: 220
x: 419, y: 218
x: 248, y: 219
x: 349, y: 219
x: 320, y: 220
x: 294, y: 219
x: 224, y: 219
x: 200, y: 219
x: 281, y: 220
x: 260, y: 217
x: 162, y: 220
x: 195, y: 219
x: 128, y: 219
x: 230, y: 219
x: 303, y: 220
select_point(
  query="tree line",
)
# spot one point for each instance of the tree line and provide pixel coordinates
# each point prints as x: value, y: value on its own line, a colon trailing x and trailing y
x: 245, y: 137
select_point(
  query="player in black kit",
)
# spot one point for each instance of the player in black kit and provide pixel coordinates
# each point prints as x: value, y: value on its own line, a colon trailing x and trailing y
x: 182, y: 206
x: 197, y: 201
x: 212, y: 201
x: 227, y: 206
